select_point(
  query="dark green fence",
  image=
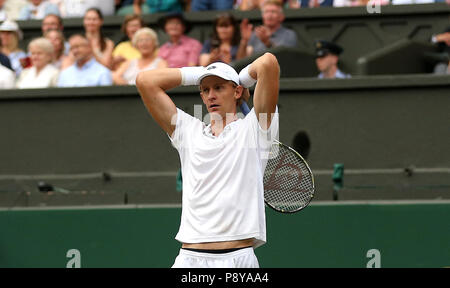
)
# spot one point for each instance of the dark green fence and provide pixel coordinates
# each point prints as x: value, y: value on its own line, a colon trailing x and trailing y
x: 406, y: 235
x: 101, y: 144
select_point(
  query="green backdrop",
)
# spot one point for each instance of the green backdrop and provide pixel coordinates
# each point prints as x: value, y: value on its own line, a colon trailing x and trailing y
x: 323, y: 235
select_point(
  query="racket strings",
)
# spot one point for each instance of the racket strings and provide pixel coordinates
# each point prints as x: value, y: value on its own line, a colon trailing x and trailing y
x: 288, y: 182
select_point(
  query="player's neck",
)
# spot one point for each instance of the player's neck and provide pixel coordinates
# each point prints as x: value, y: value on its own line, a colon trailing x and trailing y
x: 218, y: 125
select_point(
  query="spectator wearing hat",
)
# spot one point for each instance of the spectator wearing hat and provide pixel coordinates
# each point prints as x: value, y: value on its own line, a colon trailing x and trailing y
x: 125, y: 49
x: 180, y: 50
x: 10, y: 34
x: 86, y: 71
x: 7, y: 78
x: 442, y: 40
x: 272, y: 33
x: 327, y: 57
x: 38, y: 9
x: 41, y: 74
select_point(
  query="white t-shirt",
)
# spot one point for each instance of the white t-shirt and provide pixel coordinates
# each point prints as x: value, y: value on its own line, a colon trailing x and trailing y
x: 223, y: 193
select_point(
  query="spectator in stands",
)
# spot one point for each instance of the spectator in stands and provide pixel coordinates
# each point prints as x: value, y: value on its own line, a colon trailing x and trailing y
x: 271, y: 34
x: 125, y: 49
x: 146, y: 41
x: 38, y: 9
x: 102, y: 46
x: 86, y: 71
x: 205, y: 5
x: 225, y: 44
x: 13, y: 8
x: 78, y: 8
x: 42, y: 73
x: 180, y: 50
x: 60, y: 60
x: 54, y: 22
x: 10, y: 34
x: 442, y: 40
x: 123, y: 3
x: 327, y: 57
x: 246, y: 5
x: 51, y: 22
x: 7, y: 78
x: 158, y: 6
x: 3, y: 15
x: 128, y: 7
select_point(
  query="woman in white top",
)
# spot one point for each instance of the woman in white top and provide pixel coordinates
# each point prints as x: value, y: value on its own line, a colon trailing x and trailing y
x: 42, y: 73
x: 146, y: 41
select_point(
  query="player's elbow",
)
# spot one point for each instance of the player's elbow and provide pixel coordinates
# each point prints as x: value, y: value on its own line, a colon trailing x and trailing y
x: 141, y: 81
x: 145, y: 81
x: 269, y: 63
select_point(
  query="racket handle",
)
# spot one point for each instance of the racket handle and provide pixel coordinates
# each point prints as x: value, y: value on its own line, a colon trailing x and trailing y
x: 244, y: 108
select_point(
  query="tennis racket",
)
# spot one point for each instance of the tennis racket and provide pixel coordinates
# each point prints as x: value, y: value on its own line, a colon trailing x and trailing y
x: 288, y: 180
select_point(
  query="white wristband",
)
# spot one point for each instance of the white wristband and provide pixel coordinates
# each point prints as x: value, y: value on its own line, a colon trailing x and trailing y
x: 245, y: 79
x: 190, y: 75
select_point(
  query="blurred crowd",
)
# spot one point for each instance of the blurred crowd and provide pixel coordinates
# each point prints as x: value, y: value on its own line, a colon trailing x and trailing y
x: 91, y: 59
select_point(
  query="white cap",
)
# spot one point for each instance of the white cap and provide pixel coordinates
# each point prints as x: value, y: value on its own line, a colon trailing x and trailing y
x: 11, y: 26
x: 221, y: 70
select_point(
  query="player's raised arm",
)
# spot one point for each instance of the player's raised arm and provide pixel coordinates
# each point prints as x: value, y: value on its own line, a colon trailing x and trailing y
x: 152, y: 86
x: 266, y: 71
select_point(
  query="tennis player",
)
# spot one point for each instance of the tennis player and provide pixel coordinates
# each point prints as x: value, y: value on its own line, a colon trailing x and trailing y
x: 223, y: 216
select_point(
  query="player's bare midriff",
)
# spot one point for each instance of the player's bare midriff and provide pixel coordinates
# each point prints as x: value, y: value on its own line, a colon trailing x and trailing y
x: 220, y: 245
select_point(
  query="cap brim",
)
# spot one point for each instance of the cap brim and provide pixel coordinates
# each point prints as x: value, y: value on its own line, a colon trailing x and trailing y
x: 322, y: 53
x: 213, y: 74
x: 18, y: 32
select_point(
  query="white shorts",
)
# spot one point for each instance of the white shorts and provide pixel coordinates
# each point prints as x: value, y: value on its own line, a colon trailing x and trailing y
x: 242, y: 258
